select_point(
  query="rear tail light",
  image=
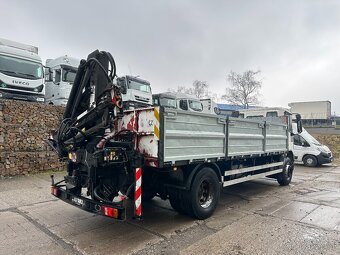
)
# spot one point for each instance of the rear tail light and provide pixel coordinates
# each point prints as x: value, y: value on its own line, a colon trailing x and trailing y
x: 110, y: 212
x: 54, y: 191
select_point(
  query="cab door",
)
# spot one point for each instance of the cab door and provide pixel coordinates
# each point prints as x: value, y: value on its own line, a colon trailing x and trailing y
x: 300, y: 147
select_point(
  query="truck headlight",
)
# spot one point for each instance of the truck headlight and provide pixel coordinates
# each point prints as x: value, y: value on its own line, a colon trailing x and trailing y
x: 321, y: 149
x: 39, y: 88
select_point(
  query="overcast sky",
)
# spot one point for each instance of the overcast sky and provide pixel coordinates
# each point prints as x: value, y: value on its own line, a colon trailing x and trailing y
x: 295, y: 44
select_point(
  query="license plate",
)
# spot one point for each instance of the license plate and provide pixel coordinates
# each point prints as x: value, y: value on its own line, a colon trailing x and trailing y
x: 78, y: 201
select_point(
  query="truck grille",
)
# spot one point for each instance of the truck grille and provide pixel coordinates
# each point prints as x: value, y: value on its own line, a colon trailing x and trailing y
x: 143, y: 99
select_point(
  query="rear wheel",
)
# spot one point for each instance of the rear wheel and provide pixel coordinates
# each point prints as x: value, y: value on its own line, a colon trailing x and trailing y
x: 310, y: 161
x: 175, y: 198
x: 204, y: 194
x: 201, y: 200
x: 148, y: 195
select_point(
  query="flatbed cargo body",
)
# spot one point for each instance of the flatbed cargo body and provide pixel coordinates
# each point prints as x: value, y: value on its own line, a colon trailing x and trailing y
x: 174, y: 137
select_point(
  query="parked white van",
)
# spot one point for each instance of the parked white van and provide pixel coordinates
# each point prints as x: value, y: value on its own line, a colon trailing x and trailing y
x: 305, y: 147
x: 308, y: 150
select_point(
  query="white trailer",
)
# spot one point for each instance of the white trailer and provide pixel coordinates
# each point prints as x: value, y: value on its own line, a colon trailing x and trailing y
x: 21, y: 72
x: 60, y: 75
x: 313, y: 110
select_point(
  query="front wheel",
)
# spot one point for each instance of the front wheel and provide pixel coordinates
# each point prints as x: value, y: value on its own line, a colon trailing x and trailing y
x: 285, y: 177
x: 310, y: 161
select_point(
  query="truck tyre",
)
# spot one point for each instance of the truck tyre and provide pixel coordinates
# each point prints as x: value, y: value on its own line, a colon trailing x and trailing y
x: 175, y: 200
x: 310, y: 161
x: 204, y: 194
x: 285, y: 177
x: 147, y: 195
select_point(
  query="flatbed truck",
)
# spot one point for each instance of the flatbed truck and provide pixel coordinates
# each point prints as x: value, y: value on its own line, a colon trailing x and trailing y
x: 183, y: 156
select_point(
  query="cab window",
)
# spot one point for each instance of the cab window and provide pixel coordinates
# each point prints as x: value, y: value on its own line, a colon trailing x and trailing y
x: 300, y: 141
x: 272, y: 114
x: 196, y: 105
x: 57, y: 76
x: 255, y: 117
x: 183, y: 104
x: 155, y: 101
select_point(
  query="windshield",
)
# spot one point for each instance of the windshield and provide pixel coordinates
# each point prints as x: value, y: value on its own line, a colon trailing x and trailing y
x: 195, y: 105
x: 20, y: 68
x: 168, y: 102
x: 69, y: 75
x: 139, y: 86
x: 311, y: 139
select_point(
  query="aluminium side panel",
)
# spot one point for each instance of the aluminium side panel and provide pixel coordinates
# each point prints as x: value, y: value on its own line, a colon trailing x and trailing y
x: 276, y: 138
x: 192, y: 136
x: 245, y: 137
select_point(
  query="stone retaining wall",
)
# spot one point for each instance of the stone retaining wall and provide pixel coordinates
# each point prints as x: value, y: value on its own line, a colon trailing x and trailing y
x: 23, y: 128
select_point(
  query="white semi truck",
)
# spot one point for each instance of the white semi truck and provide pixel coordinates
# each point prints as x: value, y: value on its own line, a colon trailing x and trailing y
x: 21, y: 72
x: 136, y: 92
x: 60, y: 74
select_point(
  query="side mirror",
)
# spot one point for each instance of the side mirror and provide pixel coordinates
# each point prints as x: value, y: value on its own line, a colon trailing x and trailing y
x: 48, y: 74
x: 299, y: 123
x: 217, y: 110
x: 56, y: 77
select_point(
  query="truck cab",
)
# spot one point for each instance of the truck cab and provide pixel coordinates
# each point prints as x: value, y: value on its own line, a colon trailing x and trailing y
x: 209, y: 106
x: 178, y: 101
x: 136, y: 92
x: 60, y: 74
x: 21, y: 72
x: 165, y: 99
x: 189, y: 103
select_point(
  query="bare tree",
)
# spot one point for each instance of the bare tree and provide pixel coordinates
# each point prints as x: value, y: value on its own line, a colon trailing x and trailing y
x: 199, y: 89
x: 244, y: 89
x: 180, y: 89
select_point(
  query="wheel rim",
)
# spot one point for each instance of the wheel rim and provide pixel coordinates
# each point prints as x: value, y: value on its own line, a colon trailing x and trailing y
x: 289, y: 171
x: 205, y: 194
x: 309, y: 161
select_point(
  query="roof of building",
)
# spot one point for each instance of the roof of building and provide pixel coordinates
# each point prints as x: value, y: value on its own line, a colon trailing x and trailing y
x: 232, y: 107
x: 308, y: 102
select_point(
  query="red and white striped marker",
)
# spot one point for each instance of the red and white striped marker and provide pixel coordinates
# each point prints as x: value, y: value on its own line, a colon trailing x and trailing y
x: 138, y: 193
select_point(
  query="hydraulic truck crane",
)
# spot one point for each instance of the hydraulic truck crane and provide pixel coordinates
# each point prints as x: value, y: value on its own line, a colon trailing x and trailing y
x: 183, y: 156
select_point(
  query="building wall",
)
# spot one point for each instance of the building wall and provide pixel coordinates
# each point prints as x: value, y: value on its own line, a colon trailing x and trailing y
x: 316, y: 110
x: 24, y: 126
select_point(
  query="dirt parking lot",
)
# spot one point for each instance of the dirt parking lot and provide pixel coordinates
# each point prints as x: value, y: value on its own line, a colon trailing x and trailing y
x: 257, y: 217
